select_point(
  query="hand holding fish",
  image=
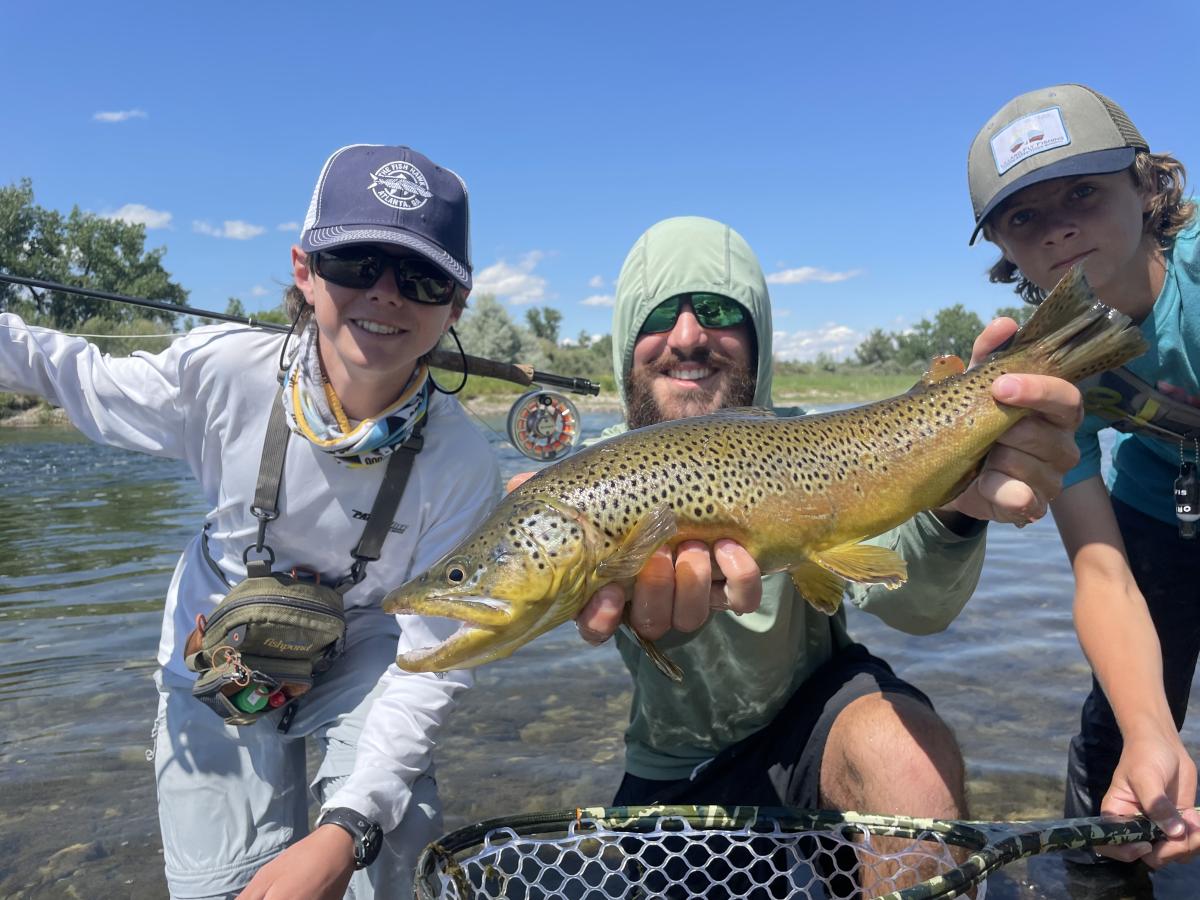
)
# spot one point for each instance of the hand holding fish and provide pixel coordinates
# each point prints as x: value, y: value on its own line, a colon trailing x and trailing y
x: 674, y: 590
x: 677, y: 592
x: 1023, y: 472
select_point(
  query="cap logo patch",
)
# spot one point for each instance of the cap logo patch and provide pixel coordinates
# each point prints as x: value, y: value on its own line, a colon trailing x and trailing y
x: 400, y: 185
x: 1028, y: 135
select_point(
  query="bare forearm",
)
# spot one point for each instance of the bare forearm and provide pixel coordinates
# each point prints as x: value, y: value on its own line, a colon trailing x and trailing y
x: 1118, y: 637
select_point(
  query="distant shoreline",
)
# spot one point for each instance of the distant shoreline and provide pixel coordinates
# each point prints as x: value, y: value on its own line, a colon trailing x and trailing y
x: 43, y: 416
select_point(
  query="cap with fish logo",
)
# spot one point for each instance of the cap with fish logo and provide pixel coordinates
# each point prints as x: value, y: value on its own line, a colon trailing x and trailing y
x: 371, y: 193
x: 1054, y: 132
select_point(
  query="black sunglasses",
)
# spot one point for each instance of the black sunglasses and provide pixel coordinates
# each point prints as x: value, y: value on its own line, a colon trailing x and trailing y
x: 712, y: 311
x: 360, y: 266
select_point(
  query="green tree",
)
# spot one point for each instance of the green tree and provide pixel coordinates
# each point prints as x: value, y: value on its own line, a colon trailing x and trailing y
x: 235, y: 307
x: 543, y: 322
x: 487, y: 330
x: 876, y: 349
x: 952, y: 331
x: 83, y: 250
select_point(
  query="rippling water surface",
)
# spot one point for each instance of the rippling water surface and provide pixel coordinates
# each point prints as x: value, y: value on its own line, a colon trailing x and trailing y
x: 88, y: 539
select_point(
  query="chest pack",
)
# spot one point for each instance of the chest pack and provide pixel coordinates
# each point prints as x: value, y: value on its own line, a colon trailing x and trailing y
x: 275, y: 632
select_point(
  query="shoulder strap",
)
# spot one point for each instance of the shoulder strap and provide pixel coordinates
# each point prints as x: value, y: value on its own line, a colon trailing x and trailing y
x: 395, y: 478
x: 265, y: 507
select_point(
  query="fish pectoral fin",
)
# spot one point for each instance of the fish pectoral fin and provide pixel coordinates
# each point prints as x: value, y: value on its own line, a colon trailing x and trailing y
x: 664, y: 665
x: 864, y: 564
x: 650, y: 533
x: 943, y: 367
x: 821, y: 588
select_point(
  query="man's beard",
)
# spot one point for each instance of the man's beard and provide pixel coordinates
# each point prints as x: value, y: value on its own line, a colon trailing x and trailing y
x: 734, y: 387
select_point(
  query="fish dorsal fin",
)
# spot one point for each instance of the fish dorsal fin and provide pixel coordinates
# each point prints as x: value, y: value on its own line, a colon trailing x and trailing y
x: 864, y: 564
x: 822, y: 589
x: 742, y: 412
x: 654, y: 528
x: 943, y: 367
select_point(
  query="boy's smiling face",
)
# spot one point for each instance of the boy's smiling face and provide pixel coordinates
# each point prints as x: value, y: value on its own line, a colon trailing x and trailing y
x: 1048, y: 227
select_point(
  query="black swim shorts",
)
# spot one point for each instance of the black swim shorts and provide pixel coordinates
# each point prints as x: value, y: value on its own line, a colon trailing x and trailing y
x: 779, y: 765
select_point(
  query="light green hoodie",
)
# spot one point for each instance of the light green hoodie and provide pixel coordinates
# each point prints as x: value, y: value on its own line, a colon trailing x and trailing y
x: 740, y: 670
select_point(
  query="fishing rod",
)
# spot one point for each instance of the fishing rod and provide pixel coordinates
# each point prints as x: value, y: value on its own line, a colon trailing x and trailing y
x: 517, y: 373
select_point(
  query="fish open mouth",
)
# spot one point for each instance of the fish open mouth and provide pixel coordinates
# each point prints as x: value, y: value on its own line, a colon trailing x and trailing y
x: 479, y: 621
x: 465, y: 635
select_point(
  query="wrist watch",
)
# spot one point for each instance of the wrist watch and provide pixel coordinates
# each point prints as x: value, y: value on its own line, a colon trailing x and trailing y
x: 368, y: 836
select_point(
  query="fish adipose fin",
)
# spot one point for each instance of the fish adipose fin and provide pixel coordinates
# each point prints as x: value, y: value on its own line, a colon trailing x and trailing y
x: 653, y: 530
x: 1076, y: 333
x: 941, y: 368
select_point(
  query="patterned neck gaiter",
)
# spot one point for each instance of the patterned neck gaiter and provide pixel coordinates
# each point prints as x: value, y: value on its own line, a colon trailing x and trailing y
x: 315, y: 413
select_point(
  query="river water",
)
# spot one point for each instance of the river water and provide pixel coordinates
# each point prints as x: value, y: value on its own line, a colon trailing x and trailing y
x: 88, y: 539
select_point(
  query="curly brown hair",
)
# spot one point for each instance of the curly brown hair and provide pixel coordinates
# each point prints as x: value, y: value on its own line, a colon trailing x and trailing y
x: 1157, y: 173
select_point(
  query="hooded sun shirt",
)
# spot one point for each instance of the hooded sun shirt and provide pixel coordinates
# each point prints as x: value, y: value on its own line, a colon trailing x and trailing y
x: 740, y: 670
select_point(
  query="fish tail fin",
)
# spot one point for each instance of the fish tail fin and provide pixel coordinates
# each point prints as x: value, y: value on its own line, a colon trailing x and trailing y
x: 1076, y: 334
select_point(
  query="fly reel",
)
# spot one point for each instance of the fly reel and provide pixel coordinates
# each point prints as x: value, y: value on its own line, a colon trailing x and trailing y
x: 544, y: 425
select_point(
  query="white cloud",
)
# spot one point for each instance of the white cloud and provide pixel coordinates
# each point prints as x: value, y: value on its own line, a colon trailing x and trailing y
x: 518, y: 284
x: 837, y: 341
x: 123, y: 115
x: 233, y: 229
x: 258, y: 291
x: 138, y: 214
x: 598, y: 300
x: 596, y: 281
x: 288, y: 226
x: 806, y: 274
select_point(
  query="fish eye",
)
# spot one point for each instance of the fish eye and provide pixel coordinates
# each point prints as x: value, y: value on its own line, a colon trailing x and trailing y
x: 455, y: 573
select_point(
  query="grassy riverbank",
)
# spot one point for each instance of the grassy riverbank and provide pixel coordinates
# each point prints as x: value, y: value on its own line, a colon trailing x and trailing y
x: 817, y: 388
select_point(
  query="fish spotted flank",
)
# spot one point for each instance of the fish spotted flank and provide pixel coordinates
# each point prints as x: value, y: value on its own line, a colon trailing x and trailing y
x: 801, y: 494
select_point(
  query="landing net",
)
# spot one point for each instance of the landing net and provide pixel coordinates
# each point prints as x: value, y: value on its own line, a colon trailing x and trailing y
x: 693, y: 852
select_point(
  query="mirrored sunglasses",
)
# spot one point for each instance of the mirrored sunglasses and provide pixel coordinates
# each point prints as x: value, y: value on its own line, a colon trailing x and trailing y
x: 711, y: 310
x: 359, y: 267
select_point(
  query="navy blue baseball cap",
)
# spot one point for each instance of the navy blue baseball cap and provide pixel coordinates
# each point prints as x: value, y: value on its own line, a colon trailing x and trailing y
x: 369, y: 193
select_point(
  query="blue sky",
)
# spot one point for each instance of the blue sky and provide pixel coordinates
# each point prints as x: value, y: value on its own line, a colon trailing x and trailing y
x: 833, y: 136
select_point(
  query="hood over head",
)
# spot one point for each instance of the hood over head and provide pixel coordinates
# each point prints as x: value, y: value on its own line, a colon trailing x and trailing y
x: 683, y: 255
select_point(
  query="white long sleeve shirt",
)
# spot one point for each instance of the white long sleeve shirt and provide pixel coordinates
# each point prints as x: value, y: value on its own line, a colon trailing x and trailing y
x: 205, y: 400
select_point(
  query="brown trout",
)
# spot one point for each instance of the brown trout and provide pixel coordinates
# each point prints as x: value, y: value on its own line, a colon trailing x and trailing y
x: 801, y: 494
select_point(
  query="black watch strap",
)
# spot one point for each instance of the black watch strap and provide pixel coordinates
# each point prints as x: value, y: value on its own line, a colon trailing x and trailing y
x: 368, y: 836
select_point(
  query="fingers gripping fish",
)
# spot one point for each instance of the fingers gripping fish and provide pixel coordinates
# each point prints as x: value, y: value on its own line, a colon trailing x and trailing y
x: 801, y: 494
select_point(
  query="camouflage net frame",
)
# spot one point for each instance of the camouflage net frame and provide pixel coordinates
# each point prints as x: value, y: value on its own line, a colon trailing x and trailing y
x: 596, y: 853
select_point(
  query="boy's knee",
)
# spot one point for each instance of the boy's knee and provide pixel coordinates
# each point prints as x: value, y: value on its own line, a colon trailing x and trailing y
x: 890, y: 753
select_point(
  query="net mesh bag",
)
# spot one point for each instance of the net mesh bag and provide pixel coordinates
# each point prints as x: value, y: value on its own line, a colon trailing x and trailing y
x: 684, y: 852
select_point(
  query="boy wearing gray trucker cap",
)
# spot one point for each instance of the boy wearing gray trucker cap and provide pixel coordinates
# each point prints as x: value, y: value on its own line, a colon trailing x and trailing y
x: 1060, y: 176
